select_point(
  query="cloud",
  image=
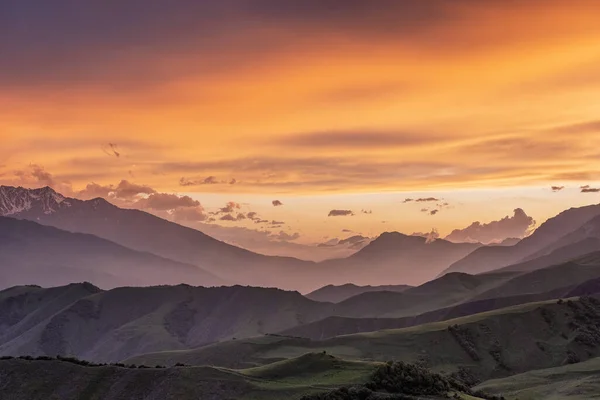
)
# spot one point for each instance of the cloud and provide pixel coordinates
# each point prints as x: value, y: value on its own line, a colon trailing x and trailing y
x: 94, y: 190
x: 277, y: 223
x: 516, y: 226
x: 423, y: 210
x: 277, y: 203
x: 557, y: 188
x: 588, y: 189
x: 231, y: 206
x: 426, y: 199
x: 190, y: 214
x: 37, y: 174
x: 578, y: 128
x: 286, y: 237
x: 252, y: 215
x: 434, y: 212
x: 228, y: 217
x: 408, y: 200
x: 430, y: 236
x: 209, y: 180
x: 166, y: 201
x: 361, y: 139
x: 366, y: 211
x: 340, y: 213
x: 346, y: 230
x: 127, y: 190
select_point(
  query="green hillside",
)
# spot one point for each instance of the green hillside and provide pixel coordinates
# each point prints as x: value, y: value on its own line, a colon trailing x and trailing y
x: 580, y: 381
x: 493, y: 344
x: 312, y: 374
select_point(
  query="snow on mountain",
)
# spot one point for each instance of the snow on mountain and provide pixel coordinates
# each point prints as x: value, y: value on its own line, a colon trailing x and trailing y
x: 14, y: 200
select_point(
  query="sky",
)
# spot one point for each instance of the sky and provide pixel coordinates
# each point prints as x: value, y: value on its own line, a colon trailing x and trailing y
x: 319, y: 118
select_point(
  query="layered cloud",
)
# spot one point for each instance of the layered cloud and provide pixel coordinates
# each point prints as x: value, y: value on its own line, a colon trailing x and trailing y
x: 516, y: 226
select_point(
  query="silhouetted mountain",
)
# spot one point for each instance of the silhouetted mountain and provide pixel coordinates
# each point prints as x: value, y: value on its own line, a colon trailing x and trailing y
x: 335, y: 294
x: 31, y: 253
x: 558, y: 256
x: 392, y: 258
x: 541, y: 242
x: 145, y: 232
x: 395, y: 257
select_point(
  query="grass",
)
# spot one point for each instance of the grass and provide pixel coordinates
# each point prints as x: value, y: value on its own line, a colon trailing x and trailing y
x: 574, y: 382
x: 491, y: 345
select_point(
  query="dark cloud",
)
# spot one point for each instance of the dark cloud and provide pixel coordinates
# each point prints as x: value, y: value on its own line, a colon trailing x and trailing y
x: 274, y: 223
x: 434, y: 212
x: 231, y: 206
x: 557, y: 188
x: 252, y: 215
x: 424, y: 210
x: 366, y: 211
x: 353, y: 240
x: 116, y: 43
x: 233, y: 181
x: 426, y: 199
x: 408, y: 200
x: 277, y: 203
x: 588, y: 189
x: 228, y: 217
x: 516, y: 226
x: 126, y: 189
x: 340, y: 213
x: 261, y: 221
x: 240, y: 217
x: 94, y: 190
x: 209, y: 180
x: 346, y: 230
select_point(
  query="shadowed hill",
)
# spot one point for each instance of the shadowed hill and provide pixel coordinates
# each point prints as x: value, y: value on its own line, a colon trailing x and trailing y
x: 115, y: 324
x: 544, y: 240
x: 336, y: 294
x: 487, y: 345
x: 31, y: 253
x: 563, y: 281
x: 311, y: 374
x: 558, y: 256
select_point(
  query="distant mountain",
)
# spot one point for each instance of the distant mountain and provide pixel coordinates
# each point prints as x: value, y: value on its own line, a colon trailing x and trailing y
x: 392, y: 258
x: 541, y: 242
x: 145, y: 232
x: 31, y: 253
x: 336, y: 294
x: 558, y: 256
x: 395, y: 257
x: 86, y: 322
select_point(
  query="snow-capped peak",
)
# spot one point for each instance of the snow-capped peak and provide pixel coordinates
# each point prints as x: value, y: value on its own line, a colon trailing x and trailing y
x: 15, y: 200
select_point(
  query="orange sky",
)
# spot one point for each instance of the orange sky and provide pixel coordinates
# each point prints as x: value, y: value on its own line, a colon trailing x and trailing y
x: 329, y: 104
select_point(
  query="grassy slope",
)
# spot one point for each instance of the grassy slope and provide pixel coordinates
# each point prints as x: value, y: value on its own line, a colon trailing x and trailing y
x: 579, y: 381
x: 290, y: 379
x: 504, y: 342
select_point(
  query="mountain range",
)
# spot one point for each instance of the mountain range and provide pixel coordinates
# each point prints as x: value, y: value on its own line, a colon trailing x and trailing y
x: 152, y: 292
